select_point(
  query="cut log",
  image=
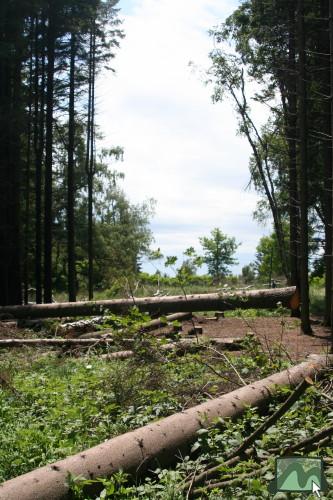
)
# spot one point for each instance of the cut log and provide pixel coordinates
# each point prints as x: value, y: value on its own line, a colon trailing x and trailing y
x: 77, y: 328
x: 161, y: 305
x: 228, y: 344
x: 105, y: 333
x: 160, y: 322
x: 196, y: 330
x: 53, y: 342
x: 101, y: 341
x: 156, y: 443
x: 182, y: 346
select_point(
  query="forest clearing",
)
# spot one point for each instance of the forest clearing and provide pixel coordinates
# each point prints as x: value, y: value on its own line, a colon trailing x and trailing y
x: 166, y: 331
x: 134, y: 373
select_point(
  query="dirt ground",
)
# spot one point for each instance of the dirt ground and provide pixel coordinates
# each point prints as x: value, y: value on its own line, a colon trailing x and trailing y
x: 271, y: 332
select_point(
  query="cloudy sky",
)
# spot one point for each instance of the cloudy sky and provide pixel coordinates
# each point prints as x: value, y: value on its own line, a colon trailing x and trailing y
x: 179, y: 148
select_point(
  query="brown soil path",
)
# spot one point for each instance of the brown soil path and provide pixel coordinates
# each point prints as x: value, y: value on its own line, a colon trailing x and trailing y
x: 271, y: 332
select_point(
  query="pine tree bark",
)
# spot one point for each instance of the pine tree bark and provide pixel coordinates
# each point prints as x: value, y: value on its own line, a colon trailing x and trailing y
x: 39, y: 122
x: 27, y: 193
x: 331, y: 171
x: 70, y: 178
x: 303, y: 175
x: 48, y: 216
x: 327, y: 159
x: 287, y: 297
x: 292, y: 140
x: 90, y: 160
x: 11, y: 122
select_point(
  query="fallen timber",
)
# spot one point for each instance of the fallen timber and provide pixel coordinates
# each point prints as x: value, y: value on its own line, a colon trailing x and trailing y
x: 287, y: 297
x: 223, y: 343
x: 85, y: 326
x: 154, y: 443
x: 54, y: 342
x: 183, y: 346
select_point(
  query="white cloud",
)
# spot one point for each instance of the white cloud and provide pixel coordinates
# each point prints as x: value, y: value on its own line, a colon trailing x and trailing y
x: 179, y: 148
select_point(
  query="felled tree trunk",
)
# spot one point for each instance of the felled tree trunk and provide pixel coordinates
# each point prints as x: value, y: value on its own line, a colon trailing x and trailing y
x: 183, y: 346
x: 222, y: 343
x: 158, y: 442
x: 53, y: 342
x: 75, y: 328
x: 287, y: 297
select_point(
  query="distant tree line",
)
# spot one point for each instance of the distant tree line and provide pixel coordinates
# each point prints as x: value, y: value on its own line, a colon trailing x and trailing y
x: 285, y: 46
x: 64, y: 222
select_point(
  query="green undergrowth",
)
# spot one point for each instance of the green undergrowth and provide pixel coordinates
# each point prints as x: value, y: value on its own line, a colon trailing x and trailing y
x: 52, y: 407
x: 317, y: 296
x: 308, y: 415
x: 257, y: 313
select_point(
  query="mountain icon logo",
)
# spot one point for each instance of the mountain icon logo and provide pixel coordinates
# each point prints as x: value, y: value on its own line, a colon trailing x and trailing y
x: 300, y: 474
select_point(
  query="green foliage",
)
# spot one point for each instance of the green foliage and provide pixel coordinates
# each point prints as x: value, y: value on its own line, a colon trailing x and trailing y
x: 54, y: 407
x: 248, y: 273
x: 218, y: 253
x: 257, y: 313
x: 121, y: 231
x: 268, y: 262
x: 306, y: 417
x: 57, y: 407
x: 317, y: 295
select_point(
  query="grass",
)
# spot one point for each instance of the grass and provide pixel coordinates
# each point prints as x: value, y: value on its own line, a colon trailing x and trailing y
x: 317, y: 299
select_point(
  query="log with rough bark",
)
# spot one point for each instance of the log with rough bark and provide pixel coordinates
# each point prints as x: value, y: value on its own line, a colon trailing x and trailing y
x: 182, y: 346
x: 54, y: 342
x: 84, y: 326
x: 106, y: 333
x: 160, y: 322
x: 287, y: 297
x: 75, y: 328
x: 156, y: 443
x: 223, y: 343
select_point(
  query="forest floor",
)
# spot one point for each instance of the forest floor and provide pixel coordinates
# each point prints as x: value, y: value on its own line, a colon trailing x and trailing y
x: 54, y: 402
x: 273, y: 333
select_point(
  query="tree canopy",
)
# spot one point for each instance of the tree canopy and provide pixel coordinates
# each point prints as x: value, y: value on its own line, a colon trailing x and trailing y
x: 218, y: 250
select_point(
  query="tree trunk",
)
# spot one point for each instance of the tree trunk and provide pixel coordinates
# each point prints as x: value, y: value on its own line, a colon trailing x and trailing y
x: 287, y: 297
x: 225, y: 343
x: 39, y: 151
x: 327, y: 167
x: 262, y: 164
x: 4, y: 343
x: 11, y: 120
x: 156, y: 444
x: 70, y: 178
x: 292, y: 140
x: 331, y: 171
x: 303, y: 177
x: 90, y: 240
x: 91, y: 161
x: 48, y: 191
x: 182, y: 347
x: 89, y: 325
x: 27, y: 193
